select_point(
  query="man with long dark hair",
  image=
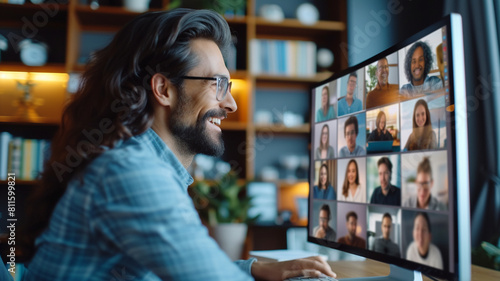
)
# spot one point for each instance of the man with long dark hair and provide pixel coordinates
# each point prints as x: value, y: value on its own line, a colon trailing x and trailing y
x: 113, y: 203
x: 418, y: 63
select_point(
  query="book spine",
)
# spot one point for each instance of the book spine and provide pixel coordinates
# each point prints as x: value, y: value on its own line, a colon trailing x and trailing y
x: 34, y: 159
x: 5, y: 138
x: 26, y: 159
x: 14, y: 162
x: 255, y: 60
x: 311, y: 58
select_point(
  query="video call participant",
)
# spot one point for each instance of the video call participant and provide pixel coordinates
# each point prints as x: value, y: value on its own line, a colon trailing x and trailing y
x: 380, y: 133
x: 326, y: 111
x: 386, y: 193
x: 421, y: 249
x: 351, y: 131
x: 384, y: 93
x: 324, y: 190
x: 323, y: 230
x: 325, y: 150
x: 424, y: 182
x: 418, y: 63
x: 351, y: 238
x: 384, y: 244
x: 352, y: 190
x: 350, y: 103
x: 422, y: 135
x: 114, y: 197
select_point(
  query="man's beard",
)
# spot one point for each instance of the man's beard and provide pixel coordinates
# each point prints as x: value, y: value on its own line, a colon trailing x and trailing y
x: 195, y: 139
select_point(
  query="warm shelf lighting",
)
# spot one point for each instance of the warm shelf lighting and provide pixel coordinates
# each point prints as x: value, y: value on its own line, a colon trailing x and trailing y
x: 239, y: 85
x: 24, y: 93
x: 34, y: 76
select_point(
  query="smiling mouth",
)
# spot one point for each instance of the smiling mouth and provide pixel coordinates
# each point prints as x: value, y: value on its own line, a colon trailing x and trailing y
x: 214, y: 120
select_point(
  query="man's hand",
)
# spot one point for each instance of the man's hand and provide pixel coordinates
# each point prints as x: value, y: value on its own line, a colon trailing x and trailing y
x: 320, y: 233
x: 277, y: 271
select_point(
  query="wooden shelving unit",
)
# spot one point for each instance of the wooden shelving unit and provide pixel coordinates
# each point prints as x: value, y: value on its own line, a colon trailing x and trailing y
x: 70, y: 21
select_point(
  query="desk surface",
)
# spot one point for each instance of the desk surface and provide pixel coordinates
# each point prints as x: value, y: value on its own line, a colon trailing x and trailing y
x: 350, y: 269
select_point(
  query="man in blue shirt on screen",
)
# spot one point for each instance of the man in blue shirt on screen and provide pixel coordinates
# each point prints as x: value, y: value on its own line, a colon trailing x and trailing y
x: 350, y: 103
x: 351, y: 131
x: 113, y: 204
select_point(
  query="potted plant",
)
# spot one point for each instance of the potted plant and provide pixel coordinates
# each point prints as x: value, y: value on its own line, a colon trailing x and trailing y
x: 223, y: 205
x: 223, y: 7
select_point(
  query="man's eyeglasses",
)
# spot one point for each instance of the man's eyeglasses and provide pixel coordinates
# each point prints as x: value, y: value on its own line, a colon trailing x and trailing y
x: 424, y: 184
x: 223, y: 84
x: 350, y: 133
x: 383, y: 67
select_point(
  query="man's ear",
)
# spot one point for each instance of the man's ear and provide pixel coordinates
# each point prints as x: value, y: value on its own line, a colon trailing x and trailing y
x: 163, y: 90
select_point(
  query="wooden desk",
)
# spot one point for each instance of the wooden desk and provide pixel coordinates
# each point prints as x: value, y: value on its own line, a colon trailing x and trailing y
x: 350, y: 269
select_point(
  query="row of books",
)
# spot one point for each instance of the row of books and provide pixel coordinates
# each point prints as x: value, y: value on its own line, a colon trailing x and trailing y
x: 23, y: 157
x: 283, y: 57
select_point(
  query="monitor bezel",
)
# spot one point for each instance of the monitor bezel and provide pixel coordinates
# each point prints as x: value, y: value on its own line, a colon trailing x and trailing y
x: 457, y: 132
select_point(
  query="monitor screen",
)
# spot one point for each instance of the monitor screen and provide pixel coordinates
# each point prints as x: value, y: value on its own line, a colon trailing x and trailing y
x: 389, y: 166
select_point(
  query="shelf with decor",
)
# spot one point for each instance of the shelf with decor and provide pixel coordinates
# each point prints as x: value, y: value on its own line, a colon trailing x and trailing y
x: 20, y: 67
x: 281, y: 97
x: 281, y: 150
x: 76, y: 30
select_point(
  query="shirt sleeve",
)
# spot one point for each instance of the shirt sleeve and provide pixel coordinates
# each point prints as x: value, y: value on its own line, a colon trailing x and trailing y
x: 246, y: 265
x: 144, y: 212
x: 4, y: 274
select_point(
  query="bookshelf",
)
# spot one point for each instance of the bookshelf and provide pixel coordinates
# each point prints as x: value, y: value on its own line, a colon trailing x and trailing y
x: 67, y: 24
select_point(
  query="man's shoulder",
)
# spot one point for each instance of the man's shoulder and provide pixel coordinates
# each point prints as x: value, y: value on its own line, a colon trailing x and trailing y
x: 359, y: 242
x: 360, y: 149
x: 377, y: 191
x: 128, y: 155
x: 395, y: 190
x: 129, y: 158
x: 393, y: 87
x: 407, y: 86
x: 433, y: 79
x: 360, y: 239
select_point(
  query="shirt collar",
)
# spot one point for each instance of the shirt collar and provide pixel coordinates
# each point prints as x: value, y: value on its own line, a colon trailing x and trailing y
x: 151, y: 139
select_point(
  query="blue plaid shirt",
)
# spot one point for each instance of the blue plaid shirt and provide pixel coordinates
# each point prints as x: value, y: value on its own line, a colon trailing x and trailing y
x: 131, y: 218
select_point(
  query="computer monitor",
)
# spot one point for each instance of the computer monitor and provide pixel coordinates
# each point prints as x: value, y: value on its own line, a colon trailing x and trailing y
x: 406, y: 204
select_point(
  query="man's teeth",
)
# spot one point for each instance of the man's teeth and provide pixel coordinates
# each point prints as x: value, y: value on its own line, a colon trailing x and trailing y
x: 214, y: 120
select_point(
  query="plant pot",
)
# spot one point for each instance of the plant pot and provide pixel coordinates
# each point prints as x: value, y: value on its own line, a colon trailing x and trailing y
x: 230, y: 237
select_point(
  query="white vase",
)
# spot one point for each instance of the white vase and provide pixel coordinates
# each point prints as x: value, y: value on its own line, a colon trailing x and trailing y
x: 230, y: 237
x: 138, y: 6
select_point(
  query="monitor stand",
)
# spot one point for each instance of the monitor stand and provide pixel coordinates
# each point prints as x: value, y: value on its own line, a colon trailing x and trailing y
x: 397, y: 274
